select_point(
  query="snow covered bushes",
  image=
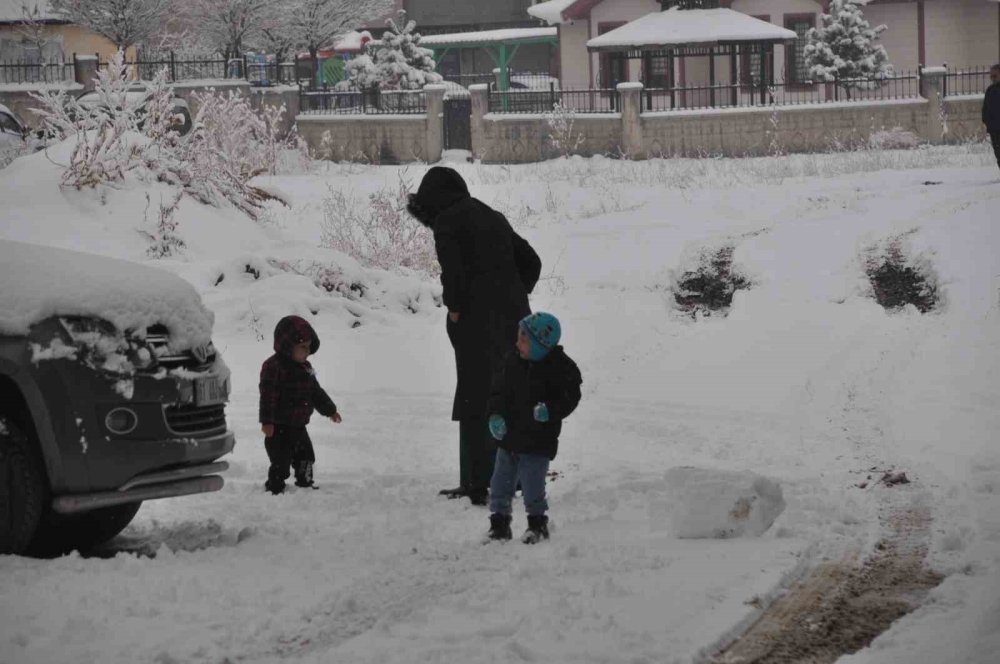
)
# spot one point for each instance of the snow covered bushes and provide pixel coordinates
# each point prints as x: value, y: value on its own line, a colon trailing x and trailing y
x: 562, y: 137
x: 398, y: 62
x: 898, y: 278
x: 130, y: 130
x: 378, y: 232
x: 711, y: 285
x: 843, y: 49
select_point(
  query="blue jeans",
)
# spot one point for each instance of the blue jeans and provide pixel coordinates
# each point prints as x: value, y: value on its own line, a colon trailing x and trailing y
x: 508, y: 469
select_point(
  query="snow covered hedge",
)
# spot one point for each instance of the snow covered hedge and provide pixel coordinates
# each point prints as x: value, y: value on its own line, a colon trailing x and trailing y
x: 131, y: 129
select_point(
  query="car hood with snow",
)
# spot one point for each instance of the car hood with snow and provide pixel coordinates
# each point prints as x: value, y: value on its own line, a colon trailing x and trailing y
x: 37, y: 282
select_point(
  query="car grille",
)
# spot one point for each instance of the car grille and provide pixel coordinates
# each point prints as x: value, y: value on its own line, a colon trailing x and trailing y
x: 196, y: 420
x: 158, y: 340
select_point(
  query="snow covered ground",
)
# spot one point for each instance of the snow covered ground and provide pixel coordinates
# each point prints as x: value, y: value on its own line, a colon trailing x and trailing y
x: 807, y: 382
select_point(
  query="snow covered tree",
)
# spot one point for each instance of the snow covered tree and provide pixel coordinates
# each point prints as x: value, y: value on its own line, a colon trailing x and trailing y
x: 844, y: 48
x: 276, y: 33
x: 124, y: 23
x: 32, y: 28
x: 396, y: 62
x: 317, y: 23
x: 226, y: 24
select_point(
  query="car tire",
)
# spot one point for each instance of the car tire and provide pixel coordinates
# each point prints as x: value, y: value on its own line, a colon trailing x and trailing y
x: 23, y: 489
x: 61, y: 533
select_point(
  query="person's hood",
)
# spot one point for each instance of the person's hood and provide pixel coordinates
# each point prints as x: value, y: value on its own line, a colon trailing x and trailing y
x: 292, y: 330
x: 441, y: 188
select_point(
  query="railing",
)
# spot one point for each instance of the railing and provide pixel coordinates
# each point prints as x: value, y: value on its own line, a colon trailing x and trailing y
x: 968, y: 81
x: 146, y: 68
x: 24, y: 71
x: 544, y: 101
x: 748, y: 95
x: 367, y: 102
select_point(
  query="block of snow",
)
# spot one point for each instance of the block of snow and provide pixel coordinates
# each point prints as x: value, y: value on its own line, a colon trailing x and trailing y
x: 720, y: 504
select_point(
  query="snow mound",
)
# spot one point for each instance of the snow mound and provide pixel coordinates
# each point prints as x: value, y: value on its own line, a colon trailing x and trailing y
x: 721, y: 504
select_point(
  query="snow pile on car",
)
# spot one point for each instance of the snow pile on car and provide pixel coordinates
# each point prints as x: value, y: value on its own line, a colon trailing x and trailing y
x: 38, y: 282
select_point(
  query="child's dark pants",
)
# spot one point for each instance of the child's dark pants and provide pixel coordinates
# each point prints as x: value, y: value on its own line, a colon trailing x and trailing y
x: 289, y: 448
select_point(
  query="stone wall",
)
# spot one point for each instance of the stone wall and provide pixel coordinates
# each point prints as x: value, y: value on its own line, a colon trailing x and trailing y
x: 964, y: 118
x: 807, y: 128
x: 366, y: 138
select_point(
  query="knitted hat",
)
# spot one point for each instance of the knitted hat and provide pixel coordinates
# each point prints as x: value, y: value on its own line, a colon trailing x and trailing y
x: 543, y: 331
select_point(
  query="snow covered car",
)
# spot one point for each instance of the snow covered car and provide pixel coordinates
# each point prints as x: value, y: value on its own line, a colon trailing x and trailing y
x: 15, y: 137
x: 138, y: 98
x: 111, y: 393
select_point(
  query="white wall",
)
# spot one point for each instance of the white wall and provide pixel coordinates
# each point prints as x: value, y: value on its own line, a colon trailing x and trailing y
x: 575, y: 73
x: 962, y: 33
x: 901, y: 38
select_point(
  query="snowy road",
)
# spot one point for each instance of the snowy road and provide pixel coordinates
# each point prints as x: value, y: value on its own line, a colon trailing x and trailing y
x: 807, y: 381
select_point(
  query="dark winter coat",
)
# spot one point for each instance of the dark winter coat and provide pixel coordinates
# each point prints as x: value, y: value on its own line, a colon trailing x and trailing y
x: 289, y: 391
x: 991, y: 109
x: 487, y: 271
x: 520, y: 385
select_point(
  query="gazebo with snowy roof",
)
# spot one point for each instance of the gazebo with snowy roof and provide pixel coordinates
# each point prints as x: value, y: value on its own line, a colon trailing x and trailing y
x: 502, y: 45
x: 687, y: 29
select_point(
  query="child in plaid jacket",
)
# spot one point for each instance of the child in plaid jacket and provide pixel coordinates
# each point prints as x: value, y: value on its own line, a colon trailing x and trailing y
x: 289, y: 392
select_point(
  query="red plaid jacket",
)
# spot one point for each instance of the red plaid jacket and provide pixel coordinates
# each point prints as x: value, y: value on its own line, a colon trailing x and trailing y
x: 289, y: 391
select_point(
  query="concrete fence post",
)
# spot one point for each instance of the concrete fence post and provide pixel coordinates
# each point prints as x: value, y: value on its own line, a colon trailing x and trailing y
x: 631, y: 100
x: 932, y: 80
x: 480, y: 93
x: 435, y: 121
x: 85, y: 71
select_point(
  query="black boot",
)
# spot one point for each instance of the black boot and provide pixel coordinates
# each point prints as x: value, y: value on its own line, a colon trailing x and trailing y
x: 538, y: 529
x: 304, y: 474
x: 478, y: 496
x: 457, y: 492
x: 275, y: 484
x: 499, y: 527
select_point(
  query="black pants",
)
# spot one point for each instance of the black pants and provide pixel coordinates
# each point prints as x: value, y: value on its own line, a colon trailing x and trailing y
x: 476, y: 453
x: 288, y: 448
x: 995, y: 139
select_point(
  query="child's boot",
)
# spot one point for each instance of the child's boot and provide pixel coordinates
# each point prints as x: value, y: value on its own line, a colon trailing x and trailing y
x: 538, y: 529
x: 499, y: 527
x: 304, y: 474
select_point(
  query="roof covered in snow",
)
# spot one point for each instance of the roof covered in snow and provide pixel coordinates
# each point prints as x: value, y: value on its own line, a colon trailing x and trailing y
x: 37, y: 282
x: 675, y: 27
x: 11, y: 10
x: 508, y: 35
x: 550, y: 11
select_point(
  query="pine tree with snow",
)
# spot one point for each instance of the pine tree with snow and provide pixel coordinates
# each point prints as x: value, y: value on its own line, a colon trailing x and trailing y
x: 844, y: 48
x: 396, y: 62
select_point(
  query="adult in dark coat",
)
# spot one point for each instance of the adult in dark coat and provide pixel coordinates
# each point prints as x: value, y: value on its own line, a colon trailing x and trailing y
x: 991, y: 110
x: 487, y: 271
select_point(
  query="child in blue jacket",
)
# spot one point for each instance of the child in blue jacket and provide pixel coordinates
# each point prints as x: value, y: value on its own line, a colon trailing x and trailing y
x: 537, y: 387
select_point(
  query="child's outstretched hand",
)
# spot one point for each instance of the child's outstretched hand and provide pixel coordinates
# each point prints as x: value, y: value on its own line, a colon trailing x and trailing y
x: 498, y: 426
x: 336, y: 418
x: 267, y: 430
x: 541, y: 412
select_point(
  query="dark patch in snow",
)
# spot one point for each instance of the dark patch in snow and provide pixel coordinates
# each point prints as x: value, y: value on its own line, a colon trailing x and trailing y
x: 250, y: 269
x: 897, y: 280
x: 711, y: 286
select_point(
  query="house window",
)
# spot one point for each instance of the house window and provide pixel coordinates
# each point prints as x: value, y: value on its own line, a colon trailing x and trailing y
x: 658, y: 72
x: 796, y: 70
x: 613, y: 67
x: 753, y: 70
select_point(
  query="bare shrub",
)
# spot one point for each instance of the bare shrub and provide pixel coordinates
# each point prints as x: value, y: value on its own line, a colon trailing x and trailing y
x: 378, y: 232
x: 164, y: 241
x: 563, y: 139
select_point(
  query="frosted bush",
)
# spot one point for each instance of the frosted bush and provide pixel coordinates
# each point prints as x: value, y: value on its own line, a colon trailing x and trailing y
x: 378, y: 232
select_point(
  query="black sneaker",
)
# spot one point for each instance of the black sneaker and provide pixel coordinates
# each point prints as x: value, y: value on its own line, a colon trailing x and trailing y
x: 538, y: 529
x: 499, y: 528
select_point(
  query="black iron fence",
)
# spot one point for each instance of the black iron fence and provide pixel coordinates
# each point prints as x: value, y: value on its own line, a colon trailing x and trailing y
x: 28, y: 71
x: 967, y: 81
x: 364, y: 102
x: 748, y: 95
x: 603, y: 100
